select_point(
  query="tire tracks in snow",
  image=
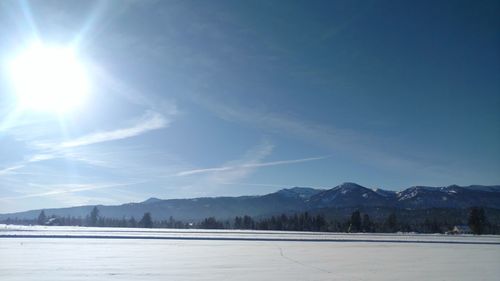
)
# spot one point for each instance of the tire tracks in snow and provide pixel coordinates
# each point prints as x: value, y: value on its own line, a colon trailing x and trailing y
x: 301, y: 263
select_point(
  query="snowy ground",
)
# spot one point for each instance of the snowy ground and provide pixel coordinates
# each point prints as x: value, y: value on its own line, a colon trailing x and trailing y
x: 77, y: 253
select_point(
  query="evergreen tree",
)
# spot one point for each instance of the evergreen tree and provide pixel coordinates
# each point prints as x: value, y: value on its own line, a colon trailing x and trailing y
x: 248, y: 222
x: 42, y: 218
x: 238, y: 223
x: 366, y: 225
x: 146, y: 221
x: 211, y: 223
x: 171, y: 222
x: 319, y: 223
x: 477, y: 220
x: 391, y: 223
x: 132, y: 222
x: 355, y: 222
x: 94, y: 215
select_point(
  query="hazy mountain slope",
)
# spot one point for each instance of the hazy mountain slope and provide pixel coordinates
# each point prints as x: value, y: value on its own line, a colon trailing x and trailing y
x: 346, y: 196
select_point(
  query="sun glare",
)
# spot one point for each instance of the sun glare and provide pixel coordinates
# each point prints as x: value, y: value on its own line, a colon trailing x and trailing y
x: 49, y: 78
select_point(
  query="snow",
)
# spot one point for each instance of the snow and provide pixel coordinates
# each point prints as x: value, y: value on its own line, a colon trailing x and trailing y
x: 68, y: 253
x: 385, y: 193
x: 408, y: 195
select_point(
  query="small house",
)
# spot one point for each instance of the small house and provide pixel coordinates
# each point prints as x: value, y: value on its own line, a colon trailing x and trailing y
x: 461, y: 229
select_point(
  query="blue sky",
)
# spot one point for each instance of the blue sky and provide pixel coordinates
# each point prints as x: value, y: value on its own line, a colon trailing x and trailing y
x: 210, y: 98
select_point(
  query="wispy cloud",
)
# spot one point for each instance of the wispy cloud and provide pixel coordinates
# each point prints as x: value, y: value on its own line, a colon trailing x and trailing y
x: 232, y: 171
x: 243, y: 167
x: 251, y: 165
x: 210, y: 181
x: 273, y: 185
x: 10, y: 169
x: 67, y: 188
x: 48, y: 150
x: 41, y: 157
x: 356, y: 144
x: 125, y: 91
x: 68, y: 149
x: 152, y: 121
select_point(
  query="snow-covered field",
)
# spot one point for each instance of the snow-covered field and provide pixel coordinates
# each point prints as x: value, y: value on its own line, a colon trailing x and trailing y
x: 78, y: 253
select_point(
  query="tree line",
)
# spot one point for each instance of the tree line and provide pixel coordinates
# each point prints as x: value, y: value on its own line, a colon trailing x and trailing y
x: 477, y: 223
x: 357, y: 222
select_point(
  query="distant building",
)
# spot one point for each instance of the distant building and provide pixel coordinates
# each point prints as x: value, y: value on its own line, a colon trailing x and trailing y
x: 461, y: 229
x: 52, y: 221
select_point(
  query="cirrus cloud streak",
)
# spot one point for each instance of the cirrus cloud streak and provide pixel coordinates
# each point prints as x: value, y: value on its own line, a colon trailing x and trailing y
x: 252, y: 165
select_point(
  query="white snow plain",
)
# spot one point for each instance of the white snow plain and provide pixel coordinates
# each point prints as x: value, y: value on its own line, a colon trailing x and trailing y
x: 80, y: 253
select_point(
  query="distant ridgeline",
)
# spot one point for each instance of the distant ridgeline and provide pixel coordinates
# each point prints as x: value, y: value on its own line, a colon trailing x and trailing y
x: 347, y: 207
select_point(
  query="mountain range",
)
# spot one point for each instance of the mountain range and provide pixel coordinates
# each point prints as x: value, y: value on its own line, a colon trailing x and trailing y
x: 347, y: 196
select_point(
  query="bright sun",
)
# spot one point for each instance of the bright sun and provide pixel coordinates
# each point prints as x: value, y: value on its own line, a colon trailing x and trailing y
x: 49, y: 78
